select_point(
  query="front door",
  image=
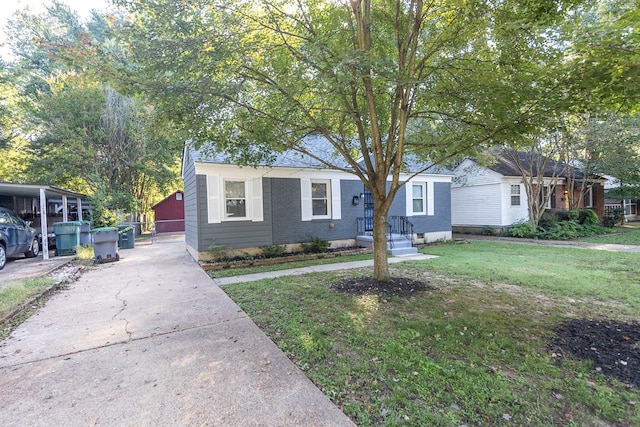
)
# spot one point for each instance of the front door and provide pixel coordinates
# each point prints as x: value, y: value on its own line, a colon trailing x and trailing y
x: 368, y: 211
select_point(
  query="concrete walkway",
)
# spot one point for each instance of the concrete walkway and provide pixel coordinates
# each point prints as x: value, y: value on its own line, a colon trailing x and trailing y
x: 151, y: 341
x: 314, y: 269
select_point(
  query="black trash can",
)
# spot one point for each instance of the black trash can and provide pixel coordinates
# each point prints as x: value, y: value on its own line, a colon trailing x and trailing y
x: 126, y: 237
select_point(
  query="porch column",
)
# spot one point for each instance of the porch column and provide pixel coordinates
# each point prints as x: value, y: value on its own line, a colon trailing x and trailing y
x: 65, y: 211
x: 43, y: 224
x: 79, y: 204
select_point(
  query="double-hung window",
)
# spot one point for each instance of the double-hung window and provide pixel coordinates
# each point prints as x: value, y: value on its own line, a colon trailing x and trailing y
x: 420, y: 198
x: 515, y: 195
x: 419, y: 201
x: 320, y: 199
x: 235, y: 199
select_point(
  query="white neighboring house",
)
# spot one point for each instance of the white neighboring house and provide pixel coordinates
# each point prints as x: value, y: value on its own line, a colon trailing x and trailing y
x: 629, y: 206
x: 482, y: 197
x: 494, y: 196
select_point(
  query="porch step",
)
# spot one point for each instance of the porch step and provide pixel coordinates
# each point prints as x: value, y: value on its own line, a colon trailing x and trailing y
x: 401, y: 246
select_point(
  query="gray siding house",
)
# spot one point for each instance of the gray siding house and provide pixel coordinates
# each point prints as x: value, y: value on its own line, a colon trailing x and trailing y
x: 293, y: 199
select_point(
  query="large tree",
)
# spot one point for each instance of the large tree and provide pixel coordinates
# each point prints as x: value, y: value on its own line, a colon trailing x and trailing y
x: 377, y: 79
x: 79, y: 132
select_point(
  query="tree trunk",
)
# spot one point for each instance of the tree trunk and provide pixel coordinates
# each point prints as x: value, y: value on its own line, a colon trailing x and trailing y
x: 380, y: 264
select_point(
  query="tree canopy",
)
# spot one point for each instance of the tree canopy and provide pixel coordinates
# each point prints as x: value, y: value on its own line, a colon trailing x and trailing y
x: 377, y: 79
x: 64, y: 125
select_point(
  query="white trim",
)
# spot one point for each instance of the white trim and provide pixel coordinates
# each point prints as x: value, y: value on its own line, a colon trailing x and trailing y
x: 430, y: 198
x: 336, y: 199
x: 213, y: 199
x: 305, y: 199
x: 257, y: 214
x: 589, y: 200
x: 512, y: 195
x: 204, y: 168
x: 327, y: 183
x: 408, y: 191
x: 247, y: 200
x: 423, y: 190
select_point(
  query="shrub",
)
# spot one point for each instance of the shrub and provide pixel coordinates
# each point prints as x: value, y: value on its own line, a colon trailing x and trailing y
x: 562, y: 231
x: 588, y: 217
x: 487, y: 230
x: 613, y: 217
x: 547, y: 220
x: 573, y: 214
x: 522, y: 229
x: 272, y: 251
x: 316, y: 245
x: 218, y: 252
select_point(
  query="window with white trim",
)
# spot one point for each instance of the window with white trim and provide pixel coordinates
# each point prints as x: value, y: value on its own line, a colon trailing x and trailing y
x: 630, y: 207
x: 588, y: 197
x: 320, y: 198
x: 419, y: 198
x: 515, y: 195
x: 235, y: 199
x: 545, y: 197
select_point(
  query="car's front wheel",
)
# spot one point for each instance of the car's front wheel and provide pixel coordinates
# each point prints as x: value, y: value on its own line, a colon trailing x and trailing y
x: 34, y: 250
x: 3, y: 256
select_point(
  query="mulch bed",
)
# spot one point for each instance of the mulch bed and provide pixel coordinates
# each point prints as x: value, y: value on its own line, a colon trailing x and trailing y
x: 398, y: 286
x: 614, y: 347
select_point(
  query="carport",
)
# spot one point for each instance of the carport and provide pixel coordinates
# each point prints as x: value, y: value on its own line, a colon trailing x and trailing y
x: 31, y: 202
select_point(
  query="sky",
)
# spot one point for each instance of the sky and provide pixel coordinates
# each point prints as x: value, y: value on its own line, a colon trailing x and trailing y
x: 83, y: 7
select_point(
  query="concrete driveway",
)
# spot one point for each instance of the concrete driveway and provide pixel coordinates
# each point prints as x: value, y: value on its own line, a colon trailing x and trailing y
x: 21, y: 268
x: 151, y: 340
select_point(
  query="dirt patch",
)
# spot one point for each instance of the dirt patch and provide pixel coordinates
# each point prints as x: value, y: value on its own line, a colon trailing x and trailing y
x: 614, y: 347
x: 398, y: 286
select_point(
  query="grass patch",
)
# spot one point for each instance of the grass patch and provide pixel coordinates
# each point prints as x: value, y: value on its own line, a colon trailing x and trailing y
x: 285, y: 266
x: 15, y: 294
x: 559, y: 271
x: 84, y: 253
x: 473, y: 350
x: 625, y: 235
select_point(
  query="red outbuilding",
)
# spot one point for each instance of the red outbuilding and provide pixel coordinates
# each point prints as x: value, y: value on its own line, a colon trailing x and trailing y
x: 169, y: 213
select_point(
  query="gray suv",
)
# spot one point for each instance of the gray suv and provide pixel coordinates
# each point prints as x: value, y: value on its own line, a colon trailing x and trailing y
x: 16, y: 237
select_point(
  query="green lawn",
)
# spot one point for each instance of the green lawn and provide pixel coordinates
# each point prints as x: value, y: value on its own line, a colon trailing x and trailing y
x: 625, y: 235
x: 557, y: 271
x: 14, y: 295
x: 473, y: 350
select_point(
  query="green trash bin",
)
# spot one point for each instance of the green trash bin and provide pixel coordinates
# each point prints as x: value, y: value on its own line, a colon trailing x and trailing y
x: 126, y: 237
x: 67, y: 237
x: 105, y: 244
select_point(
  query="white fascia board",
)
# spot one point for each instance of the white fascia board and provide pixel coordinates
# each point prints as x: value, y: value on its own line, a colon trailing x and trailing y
x: 231, y: 171
x: 205, y: 168
x: 425, y: 177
